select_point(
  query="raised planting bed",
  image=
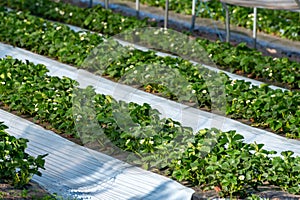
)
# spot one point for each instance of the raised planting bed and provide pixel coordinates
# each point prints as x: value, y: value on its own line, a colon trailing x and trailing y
x: 230, y: 165
x: 260, y: 106
x: 240, y: 59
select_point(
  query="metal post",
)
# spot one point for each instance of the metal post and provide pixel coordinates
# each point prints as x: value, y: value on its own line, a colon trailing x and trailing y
x: 106, y: 4
x: 298, y: 3
x: 254, y: 26
x: 193, y: 15
x: 227, y: 25
x: 91, y: 4
x: 166, y: 14
x: 137, y: 8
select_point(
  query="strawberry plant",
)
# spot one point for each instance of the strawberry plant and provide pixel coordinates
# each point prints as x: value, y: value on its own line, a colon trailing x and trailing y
x: 235, y: 59
x: 234, y: 166
x: 17, y: 167
x: 96, y: 19
x: 55, y: 40
x: 210, y: 158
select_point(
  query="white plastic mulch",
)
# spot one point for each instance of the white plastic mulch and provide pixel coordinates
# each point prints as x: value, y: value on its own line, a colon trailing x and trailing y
x: 83, y: 173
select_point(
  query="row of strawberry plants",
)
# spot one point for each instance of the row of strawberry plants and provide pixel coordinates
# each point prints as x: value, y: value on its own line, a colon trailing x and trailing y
x: 262, y: 106
x: 210, y: 158
x: 279, y: 22
x: 96, y: 18
x: 239, y: 59
x: 16, y: 166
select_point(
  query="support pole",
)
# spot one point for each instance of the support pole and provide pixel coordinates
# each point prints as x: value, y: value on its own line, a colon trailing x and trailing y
x: 137, y: 8
x: 106, y: 4
x: 254, y: 26
x: 193, y: 15
x: 227, y: 23
x: 166, y: 15
x: 91, y: 3
x: 298, y: 3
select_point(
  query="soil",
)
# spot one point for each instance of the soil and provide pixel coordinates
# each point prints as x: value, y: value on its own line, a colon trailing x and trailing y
x: 31, y: 191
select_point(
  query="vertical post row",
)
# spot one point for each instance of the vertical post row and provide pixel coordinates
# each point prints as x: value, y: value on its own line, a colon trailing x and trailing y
x: 137, y: 8
x: 254, y: 26
x: 227, y: 25
x: 193, y: 15
x: 91, y: 3
x: 106, y: 4
x: 166, y: 15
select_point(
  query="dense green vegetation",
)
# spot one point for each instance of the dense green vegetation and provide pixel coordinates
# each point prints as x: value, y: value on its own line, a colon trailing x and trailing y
x: 279, y: 22
x: 210, y: 158
x: 17, y: 167
x: 262, y: 106
x: 240, y: 59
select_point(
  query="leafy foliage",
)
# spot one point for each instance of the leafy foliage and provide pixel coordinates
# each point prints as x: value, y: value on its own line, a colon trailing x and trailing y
x: 240, y: 59
x: 262, y: 106
x: 210, y: 158
x: 96, y: 19
x: 17, y: 166
x: 234, y: 166
x: 279, y: 22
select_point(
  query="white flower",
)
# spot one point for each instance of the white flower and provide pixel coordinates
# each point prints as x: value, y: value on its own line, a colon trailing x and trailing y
x: 248, y: 101
x: 81, y: 38
x: 78, y: 118
x: 267, y: 69
x: 193, y: 91
x: 204, y: 91
x: 233, y: 82
x: 71, y: 14
x: 156, y: 32
x: 56, y: 9
x: 142, y: 141
x: 271, y: 74
x: 7, y: 157
x: 37, y: 4
x: 122, y: 20
x: 135, y: 72
x: 147, y: 76
x: 94, y: 20
x: 127, y: 141
x: 151, y: 142
x: 273, y: 95
x: 18, y: 13
x: 210, y: 55
x: 58, y: 28
x: 3, y: 83
x: 242, y: 177
x: 137, y: 33
x: 61, y: 12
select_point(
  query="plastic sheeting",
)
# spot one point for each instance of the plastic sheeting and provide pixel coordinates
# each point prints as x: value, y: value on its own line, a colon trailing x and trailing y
x: 188, y: 116
x: 74, y: 171
x: 269, y: 4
